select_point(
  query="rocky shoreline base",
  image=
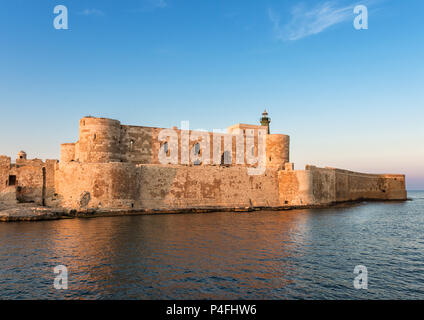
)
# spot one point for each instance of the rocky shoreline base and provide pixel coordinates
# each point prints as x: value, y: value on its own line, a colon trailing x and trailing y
x: 28, y: 212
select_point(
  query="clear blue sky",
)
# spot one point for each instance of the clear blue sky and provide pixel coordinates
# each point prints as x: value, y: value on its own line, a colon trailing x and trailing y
x: 348, y: 98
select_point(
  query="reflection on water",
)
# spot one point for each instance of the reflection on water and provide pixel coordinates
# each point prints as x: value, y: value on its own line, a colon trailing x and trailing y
x: 307, y: 254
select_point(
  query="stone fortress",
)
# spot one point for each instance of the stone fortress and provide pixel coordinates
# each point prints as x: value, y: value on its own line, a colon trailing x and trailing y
x: 120, y: 168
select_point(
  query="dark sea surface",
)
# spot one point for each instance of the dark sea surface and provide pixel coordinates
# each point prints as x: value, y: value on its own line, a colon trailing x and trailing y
x: 297, y: 254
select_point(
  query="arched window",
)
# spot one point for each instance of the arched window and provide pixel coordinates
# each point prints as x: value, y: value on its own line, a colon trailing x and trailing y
x: 131, y: 145
x: 197, y: 153
x: 226, y: 158
x: 252, y: 151
x: 166, y: 148
x: 197, y: 149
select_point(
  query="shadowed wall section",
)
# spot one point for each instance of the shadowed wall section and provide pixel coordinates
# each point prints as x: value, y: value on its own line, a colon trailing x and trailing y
x: 329, y: 185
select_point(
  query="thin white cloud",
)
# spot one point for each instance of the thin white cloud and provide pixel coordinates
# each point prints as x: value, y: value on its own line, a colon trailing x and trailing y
x: 159, y: 3
x: 151, y: 5
x: 306, y: 21
x: 92, y: 12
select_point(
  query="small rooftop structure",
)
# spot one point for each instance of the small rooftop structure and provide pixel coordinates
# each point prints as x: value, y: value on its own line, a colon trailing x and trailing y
x: 265, y: 120
x: 22, y: 155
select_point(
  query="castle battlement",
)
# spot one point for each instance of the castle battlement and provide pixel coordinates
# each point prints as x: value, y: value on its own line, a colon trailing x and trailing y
x: 106, y: 140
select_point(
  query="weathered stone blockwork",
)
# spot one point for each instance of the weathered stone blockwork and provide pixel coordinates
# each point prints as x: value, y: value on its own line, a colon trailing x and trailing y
x: 105, y: 140
x: 130, y: 186
x: 329, y: 185
x: 27, y: 180
x: 97, y: 185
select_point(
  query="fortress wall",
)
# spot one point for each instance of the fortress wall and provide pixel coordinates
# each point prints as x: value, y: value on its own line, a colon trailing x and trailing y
x: 295, y: 187
x: 51, y: 168
x: 97, y: 185
x: 172, y: 187
x: 29, y: 187
x: 76, y: 151
x: 7, y: 194
x: 395, y: 186
x: 136, y: 144
x: 328, y: 185
x: 146, y: 145
x: 35, y: 180
x: 353, y: 186
x: 213, y: 186
x: 323, y: 185
x: 106, y: 140
x: 67, y: 152
x: 129, y: 186
x: 4, y: 172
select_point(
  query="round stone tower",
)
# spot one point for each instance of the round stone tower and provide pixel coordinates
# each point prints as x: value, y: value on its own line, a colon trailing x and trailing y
x: 277, y: 150
x: 99, y: 140
x: 277, y: 146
